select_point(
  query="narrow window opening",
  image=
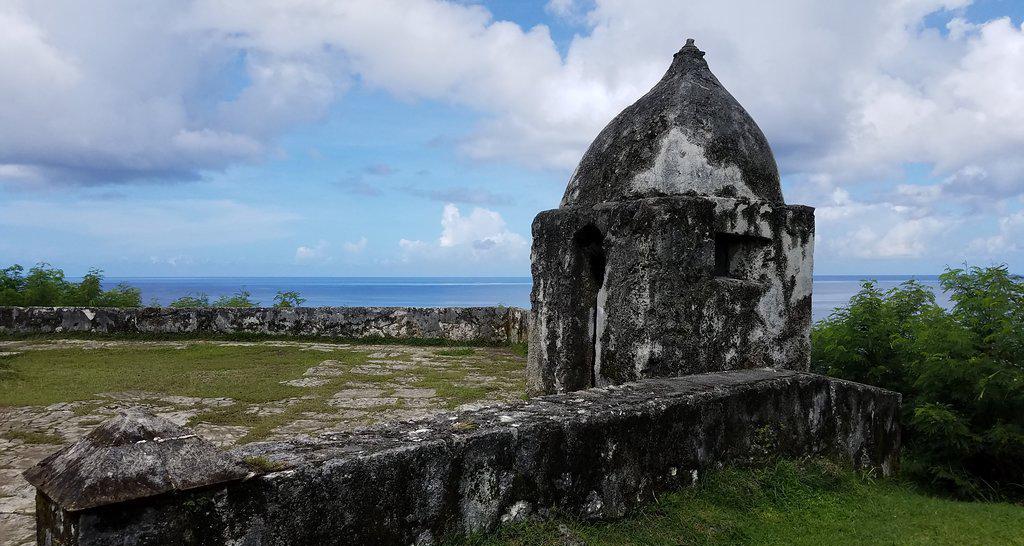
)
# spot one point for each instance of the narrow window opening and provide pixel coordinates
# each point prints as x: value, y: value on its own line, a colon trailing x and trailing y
x: 590, y: 243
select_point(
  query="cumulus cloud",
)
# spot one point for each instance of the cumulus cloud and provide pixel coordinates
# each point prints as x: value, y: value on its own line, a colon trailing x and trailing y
x: 97, y: 93
x: 1007, y: 238
x: 879, y: 230
x: 848, y: 87
x: 482, y: 235
x: 355, y: 247
x: 312, y: 253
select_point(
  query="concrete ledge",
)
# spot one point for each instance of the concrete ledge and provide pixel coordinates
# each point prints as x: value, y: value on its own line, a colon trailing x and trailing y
x: 482, y: 324
x: 594, y: 453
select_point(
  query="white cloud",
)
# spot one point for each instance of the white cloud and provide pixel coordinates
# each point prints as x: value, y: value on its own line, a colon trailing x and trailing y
x: 871, y: 231
x: 482, y: 235
x: 572, y: 11
x: 1005, y: 241
x: 355, y: 247
x: 312, y: 254
x: 848, y: 88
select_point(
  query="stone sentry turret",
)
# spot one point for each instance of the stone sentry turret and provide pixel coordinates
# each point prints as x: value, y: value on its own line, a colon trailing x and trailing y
x: 672, y: 252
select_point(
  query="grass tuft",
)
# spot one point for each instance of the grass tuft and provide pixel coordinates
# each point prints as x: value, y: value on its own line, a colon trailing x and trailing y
x: 264, y: 464
x: 33, y: 437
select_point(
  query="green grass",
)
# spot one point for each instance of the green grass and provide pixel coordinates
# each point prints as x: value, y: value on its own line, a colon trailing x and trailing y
x: 250, y: 375
x: 520, y: 349
x: 264, y: 464
x: 247, y: 374
x: 33, y: 437
x: 798, y: 503
x: 450, y: 383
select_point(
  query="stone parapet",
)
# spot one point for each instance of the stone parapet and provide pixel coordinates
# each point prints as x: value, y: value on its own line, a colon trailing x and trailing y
x: 593, y: 454
x: 470, y: 324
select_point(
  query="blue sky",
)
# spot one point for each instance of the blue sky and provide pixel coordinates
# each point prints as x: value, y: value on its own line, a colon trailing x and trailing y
x: 421, y: 137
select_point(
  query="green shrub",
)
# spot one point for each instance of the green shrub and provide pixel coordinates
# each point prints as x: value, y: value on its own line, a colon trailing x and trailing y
x: 242, y: 298
x: 961, y: 372
x: 197, y: 300
x: 46, y: 286
x: 288, y: 299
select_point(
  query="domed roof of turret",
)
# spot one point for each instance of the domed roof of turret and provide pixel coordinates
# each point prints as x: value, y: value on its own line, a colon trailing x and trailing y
x: 686, y: 136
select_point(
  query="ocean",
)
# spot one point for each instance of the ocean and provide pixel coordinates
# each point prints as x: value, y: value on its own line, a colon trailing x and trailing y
x: 830, y: 291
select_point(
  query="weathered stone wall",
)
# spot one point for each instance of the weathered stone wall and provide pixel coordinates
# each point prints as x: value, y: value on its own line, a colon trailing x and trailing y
x: 483, y: 324
x: 654, y: 302
x: 593, y: 453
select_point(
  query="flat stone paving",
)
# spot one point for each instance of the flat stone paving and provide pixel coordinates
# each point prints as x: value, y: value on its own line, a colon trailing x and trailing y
x: 353, y: 405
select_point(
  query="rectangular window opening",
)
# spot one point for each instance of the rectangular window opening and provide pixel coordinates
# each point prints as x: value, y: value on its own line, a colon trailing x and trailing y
x: 735, y: 254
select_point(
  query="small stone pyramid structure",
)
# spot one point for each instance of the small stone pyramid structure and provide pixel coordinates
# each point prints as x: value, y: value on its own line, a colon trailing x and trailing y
x: 132, y: 456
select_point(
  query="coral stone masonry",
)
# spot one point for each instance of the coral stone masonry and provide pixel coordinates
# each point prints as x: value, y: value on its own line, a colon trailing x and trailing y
x: 477, y: 324
x: 672, y: 252
x: 593, y: 453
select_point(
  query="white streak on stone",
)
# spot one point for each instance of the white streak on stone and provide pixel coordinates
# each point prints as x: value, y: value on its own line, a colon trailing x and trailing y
x: 682, y: 166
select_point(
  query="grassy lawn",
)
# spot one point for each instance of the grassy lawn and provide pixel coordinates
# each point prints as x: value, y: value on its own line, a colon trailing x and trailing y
x: 249, y: 374
x: 253, y: 376
x: 810, y: 503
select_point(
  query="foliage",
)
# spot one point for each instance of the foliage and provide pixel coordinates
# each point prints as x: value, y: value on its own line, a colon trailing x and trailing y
x: 807, y: 502
x: 288, y: 299
x: 242, y: 298
x: 264, y: 464
x: 47, y: 286
x: 33, y: 437
x: 458, y: 351
x: 198, y: 299
x: 961, y: 372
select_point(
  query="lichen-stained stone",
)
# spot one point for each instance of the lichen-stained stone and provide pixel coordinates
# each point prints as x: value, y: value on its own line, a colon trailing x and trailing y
x: 672, y: 252
x: 487, y: 324
x: 134, y: 455
x: 593, y: 454
x: 687, y: 135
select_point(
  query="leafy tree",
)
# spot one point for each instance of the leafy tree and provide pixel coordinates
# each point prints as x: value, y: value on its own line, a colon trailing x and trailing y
x: 242, y: 298
x: 45, y: 285
x: 12, y: 284
x: 121, y: 295
x: 961, y: 371
x: 288, y: 299
x: 88, y: 289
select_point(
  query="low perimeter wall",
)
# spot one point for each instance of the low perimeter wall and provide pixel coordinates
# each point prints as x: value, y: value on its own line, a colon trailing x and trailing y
x: 485, y: 324
x: 139, y: 479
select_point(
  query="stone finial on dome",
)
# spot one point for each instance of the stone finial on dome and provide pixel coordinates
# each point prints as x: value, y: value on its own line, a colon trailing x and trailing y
x: 686, y: 136
x: 690, y: 49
